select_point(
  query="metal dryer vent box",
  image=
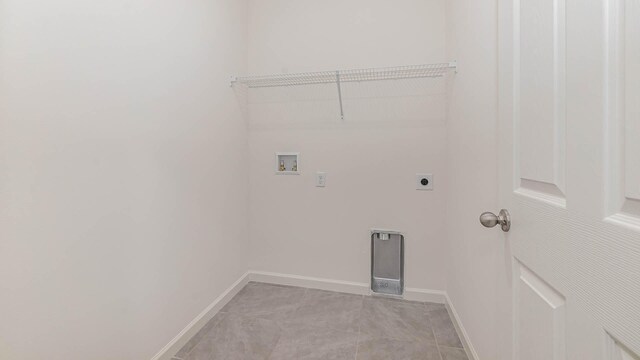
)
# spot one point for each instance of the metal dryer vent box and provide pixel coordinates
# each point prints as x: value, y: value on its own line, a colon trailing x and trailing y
x: 387, y: 262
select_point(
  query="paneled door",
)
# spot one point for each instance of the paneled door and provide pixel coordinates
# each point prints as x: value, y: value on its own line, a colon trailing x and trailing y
x: 569, y: 99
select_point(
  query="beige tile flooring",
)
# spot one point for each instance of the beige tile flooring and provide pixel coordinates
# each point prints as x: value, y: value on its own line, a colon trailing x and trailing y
x: 276, y: 322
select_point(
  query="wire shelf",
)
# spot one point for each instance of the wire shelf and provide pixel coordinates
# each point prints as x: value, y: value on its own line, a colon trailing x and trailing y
x: 338, y: 76
x: 345, y: 76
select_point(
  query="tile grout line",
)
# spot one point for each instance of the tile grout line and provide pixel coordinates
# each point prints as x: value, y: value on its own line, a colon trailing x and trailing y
x: 276, y: 344
x: 433, y: 331
x: 220, y: 312
x: 359, y: 328
x: 280, y: 323
x: 204, y: 335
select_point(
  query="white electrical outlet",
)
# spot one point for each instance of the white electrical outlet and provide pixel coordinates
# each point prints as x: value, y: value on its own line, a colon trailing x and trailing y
x: 321, y: 179
x: 424, y: 182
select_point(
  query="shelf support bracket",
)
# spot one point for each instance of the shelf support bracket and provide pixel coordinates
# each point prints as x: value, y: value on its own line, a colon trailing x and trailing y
x: 454, y: 65
x: 339, y: 94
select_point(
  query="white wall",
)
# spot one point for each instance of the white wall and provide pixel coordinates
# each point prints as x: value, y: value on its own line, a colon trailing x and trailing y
x: 123, y: 192
x: 474, y: 271
x: 371, y: 158
x: 123, y: 157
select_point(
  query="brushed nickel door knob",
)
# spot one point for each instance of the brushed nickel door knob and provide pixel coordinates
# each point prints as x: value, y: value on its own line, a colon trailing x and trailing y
x: 489, y: 219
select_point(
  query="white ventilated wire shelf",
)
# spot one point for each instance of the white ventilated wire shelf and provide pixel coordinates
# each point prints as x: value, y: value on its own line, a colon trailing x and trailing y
x: 343, y: 76
x: 356, y: 75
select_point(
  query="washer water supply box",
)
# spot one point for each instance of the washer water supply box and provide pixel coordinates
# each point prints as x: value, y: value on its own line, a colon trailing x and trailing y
x: 387, y: 262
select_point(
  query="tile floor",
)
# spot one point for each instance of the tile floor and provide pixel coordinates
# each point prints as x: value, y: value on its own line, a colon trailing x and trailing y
x: 276, y: 322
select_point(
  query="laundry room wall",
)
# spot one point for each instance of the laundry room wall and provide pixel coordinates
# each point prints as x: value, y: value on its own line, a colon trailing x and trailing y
x: 391, y: 131
x: 123, y: 167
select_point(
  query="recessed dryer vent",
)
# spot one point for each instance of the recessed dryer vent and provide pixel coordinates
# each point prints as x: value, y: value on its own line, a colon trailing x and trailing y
x: 387, y: 262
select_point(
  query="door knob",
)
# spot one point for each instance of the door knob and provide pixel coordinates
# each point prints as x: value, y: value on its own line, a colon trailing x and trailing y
x: 489, y: 219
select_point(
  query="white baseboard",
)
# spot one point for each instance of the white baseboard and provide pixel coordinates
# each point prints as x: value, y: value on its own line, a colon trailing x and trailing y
x: 201, y: 320
x: 310, y: 282
x: 413, y: 294
x: 425, y: 295
x: 464, y: 337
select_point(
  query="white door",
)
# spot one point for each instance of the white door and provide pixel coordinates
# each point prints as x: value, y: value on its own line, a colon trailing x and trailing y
x: 570, y: 176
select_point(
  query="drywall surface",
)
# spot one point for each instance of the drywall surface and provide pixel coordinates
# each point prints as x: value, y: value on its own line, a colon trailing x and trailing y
x: 473, y: 265
x: 123, y: 191
x: 391, y: 131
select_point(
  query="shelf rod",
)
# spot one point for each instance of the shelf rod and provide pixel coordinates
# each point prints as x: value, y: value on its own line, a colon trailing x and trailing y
x: 339, y: 94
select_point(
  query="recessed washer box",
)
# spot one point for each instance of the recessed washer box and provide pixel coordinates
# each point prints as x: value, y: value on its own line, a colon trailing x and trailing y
x: 287, y: 163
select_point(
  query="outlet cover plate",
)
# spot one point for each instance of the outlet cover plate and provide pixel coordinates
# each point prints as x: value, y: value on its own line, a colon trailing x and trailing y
x: 321, y: 179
